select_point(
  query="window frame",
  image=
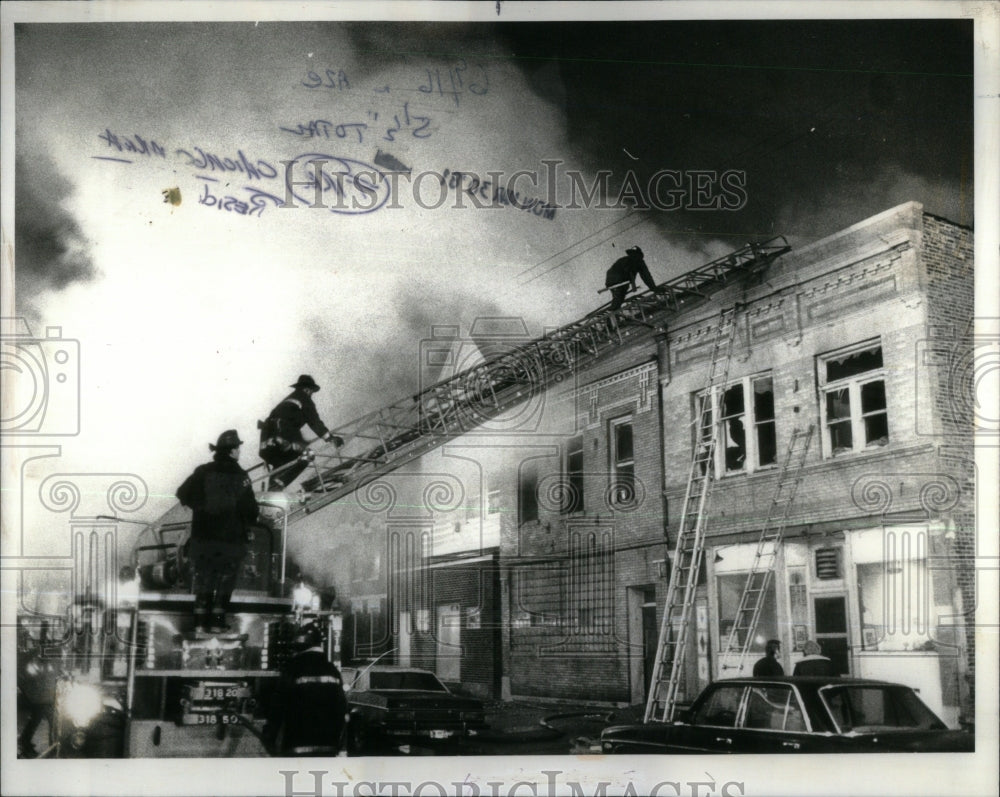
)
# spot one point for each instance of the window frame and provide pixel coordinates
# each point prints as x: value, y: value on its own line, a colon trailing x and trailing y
x: 751, y: 425
x: 806, y: 721
x: 621, y: 465
x: 854, y: 385
x: 574, y: 481
x: 527, y: 486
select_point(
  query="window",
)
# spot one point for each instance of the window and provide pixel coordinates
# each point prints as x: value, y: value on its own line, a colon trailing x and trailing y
x: 527, y: 492
x: 731, y: 586
x: 622, y: 462
x: 537, y: 595
x: 873, y: 708
x: 897, y: 611
x: 852, y: 392
x: 720, y: 707
x: 591, y: 587
x: 774, y: 708
x: 573, y: 479
x: 747, y: 439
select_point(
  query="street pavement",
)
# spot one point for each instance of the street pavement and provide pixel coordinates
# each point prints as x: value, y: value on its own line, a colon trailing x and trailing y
x: 519, y: 727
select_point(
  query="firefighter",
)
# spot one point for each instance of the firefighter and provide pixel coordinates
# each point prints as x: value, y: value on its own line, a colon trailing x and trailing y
x: 625, y: 270
x: 307, y: 715
x: 281, y: 441
x: 221, y: 497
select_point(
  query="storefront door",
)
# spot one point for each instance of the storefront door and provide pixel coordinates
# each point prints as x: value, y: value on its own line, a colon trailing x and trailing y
x: 830, y: 613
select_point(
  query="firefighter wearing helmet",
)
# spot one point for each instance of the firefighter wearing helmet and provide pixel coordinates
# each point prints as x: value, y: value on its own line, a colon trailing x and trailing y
x: 281, y: 440
x: 622, y: 274
x: 222, y: 501
x: 308, y: 710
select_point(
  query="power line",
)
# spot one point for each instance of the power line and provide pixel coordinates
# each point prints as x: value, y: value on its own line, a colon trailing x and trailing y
x: 589, y: 248
x: 576, y: 243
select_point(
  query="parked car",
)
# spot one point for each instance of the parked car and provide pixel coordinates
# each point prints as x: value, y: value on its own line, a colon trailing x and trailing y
x: 391, y: 707
x: 795, y: 715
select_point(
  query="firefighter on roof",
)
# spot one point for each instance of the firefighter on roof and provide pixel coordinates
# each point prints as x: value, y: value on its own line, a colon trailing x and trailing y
x: 308, y: 710
x: 621, y: 276
x: 281, y: 440
x: 224, y: 507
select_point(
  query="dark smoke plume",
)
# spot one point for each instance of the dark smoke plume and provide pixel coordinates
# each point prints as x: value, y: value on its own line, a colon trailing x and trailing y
x: 51, y: 251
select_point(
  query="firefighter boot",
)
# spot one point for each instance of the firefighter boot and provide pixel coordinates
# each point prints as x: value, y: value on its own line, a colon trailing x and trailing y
x: 202, y: 605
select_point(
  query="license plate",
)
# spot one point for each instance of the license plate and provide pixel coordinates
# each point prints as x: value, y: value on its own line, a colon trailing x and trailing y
x: 210, y: 719
x: 441, y: 734
x: 218, y: 691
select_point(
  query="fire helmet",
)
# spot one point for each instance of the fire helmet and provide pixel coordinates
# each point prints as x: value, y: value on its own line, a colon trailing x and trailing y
x: 227, y: 441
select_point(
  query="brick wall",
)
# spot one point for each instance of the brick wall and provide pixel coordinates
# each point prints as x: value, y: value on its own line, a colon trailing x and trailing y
x: 945, y: 360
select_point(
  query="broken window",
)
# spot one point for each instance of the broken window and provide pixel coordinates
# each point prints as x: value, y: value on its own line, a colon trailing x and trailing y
x: 746, y: 432
x: 855, y: 417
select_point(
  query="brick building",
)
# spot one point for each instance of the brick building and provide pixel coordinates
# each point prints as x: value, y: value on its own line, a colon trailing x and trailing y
x: 540, y: 564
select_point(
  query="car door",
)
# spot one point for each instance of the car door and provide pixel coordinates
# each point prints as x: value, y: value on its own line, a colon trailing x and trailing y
x: 712, y: 722
x: 774, y: 721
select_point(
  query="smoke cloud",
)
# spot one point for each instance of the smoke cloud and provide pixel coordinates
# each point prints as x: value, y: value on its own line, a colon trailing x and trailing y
x: 51, y: 249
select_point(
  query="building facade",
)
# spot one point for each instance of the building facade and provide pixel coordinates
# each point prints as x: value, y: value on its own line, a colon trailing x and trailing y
x: 539, y: 565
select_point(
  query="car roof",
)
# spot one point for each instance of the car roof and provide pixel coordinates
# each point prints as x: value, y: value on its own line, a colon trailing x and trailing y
x: 814, y: 681
x: 395, y: 668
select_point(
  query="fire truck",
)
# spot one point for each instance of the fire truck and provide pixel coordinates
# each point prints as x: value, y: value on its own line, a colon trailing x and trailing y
x: 138, y: 680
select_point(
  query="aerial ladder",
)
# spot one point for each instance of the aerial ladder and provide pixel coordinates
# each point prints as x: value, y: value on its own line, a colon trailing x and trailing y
x: 740, y: 638
x: 387, y: 438
x: 685, y: 564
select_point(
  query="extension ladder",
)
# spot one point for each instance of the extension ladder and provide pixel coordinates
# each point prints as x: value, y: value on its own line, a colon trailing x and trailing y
x: 685, y: 564
x: 740, y: 639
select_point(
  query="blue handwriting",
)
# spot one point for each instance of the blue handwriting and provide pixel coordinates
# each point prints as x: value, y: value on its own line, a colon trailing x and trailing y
x: 320, y: 128
x: 415, y: 124
x: 497, y: 195
x: 254, y: 170
x: 407, y: 123
x: 341, y: 185
x: 330, y: 79
x: 458, y: 79
x: 136, y: 144
x: 258, y: 201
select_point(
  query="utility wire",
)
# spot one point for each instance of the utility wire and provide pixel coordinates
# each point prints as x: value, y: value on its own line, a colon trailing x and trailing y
x: 589, y: 248
x: 576, y: 243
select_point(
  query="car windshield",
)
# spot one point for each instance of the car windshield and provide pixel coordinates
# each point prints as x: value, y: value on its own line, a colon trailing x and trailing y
x: 424, y: 681
x: 861, y: 708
